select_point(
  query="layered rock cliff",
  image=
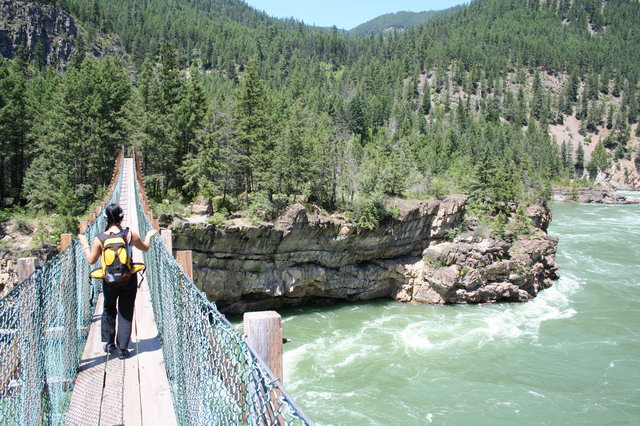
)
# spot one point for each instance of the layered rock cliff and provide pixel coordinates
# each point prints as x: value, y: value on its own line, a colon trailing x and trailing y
x: 310, y: 258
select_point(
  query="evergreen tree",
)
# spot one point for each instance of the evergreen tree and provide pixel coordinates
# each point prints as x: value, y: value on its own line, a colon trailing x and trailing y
x: 426, y: 99
x: 251, y: 128
x: 79, y: 135
x: 579, y: 159
x: 599, y: 160
x: 13, y: 130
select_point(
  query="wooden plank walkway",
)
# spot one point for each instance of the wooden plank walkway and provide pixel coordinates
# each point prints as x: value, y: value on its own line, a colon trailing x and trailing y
x: 135, y: 391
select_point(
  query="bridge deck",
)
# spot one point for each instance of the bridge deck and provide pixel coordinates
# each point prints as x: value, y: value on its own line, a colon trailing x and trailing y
x: 135, y: 391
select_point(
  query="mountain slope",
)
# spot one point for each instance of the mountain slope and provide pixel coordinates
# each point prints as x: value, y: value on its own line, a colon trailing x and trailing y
x: 48, y: 35
x: 399, y: 21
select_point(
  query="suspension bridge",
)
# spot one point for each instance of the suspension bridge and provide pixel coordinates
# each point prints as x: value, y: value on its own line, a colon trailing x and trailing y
x: 188, y: 364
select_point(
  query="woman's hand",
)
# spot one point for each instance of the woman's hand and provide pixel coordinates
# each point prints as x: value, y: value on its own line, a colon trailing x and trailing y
x: 83, y: 240
x: 151, y: 233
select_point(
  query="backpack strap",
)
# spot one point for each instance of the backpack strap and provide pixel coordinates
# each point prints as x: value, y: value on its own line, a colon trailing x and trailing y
x: 124, y: 234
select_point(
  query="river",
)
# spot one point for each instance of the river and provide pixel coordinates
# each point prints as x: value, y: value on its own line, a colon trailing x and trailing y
x: 569, y: 356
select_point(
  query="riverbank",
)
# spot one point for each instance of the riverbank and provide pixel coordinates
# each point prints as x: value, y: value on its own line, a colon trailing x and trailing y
x: 592, y: 195
x: 431, y: 252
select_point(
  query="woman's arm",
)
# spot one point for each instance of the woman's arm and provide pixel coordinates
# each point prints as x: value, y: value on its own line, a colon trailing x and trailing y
x: 90, y: 253
x: 142, y: 245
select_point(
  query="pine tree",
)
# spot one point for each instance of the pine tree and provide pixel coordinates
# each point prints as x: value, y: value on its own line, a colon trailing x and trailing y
x: 610, y: 117
x: 584, y: 107
x: 426, y: 98
x: 189, y: 115
x: 564, y: 155
x: 250, y: 128
x: 579, y: 159
x: 293, y: 153
x: 13, y: 130
x: 538, y: 101
x: 599, y: 160
x: 80, y: 133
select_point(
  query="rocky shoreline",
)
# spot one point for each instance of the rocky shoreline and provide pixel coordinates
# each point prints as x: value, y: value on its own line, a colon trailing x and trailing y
x: 9, y: 261
x: 592, y: 195
x: 432, y: 252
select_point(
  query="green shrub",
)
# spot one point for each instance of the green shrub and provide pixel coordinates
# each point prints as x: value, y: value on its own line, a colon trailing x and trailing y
x: 369, y: 211
x: 499, y: 225
x: 260, y: 207
x: 218, y: 217
x: 520, y: 224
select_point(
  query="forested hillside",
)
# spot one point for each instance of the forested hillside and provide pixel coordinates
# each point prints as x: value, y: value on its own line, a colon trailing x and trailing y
x: 499, y: 100
x: 398, y: 21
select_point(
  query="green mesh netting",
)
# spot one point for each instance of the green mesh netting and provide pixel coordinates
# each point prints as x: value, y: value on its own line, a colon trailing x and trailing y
x: 214, y: 376
x: 44, y: 324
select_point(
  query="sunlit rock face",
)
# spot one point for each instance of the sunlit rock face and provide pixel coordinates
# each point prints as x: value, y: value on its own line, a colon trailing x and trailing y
x: 308, y: 258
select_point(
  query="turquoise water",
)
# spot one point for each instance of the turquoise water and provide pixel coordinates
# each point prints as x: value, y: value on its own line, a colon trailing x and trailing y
x: 570, y: 356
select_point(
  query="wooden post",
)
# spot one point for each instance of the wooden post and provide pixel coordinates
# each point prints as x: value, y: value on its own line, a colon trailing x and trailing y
x: 92, y: 217
x: 65, y: 241
x: 29, y: 343
x: 156, y: 223
x: 264, y: 335
x: 26, y: 266
x: 185, y: 259
x: 82, y: 226
x: 168, y: 240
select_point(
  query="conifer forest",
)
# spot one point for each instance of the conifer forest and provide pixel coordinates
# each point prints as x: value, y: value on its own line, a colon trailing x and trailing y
x: 255, y: 113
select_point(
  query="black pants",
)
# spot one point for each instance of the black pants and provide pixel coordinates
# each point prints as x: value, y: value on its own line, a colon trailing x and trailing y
x: 124, y: 297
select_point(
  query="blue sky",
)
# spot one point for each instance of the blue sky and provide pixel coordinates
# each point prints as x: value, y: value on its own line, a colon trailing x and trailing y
x: 344, y: 14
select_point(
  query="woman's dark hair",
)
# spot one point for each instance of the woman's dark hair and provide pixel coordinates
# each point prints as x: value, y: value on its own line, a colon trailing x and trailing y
x: 114, y: 215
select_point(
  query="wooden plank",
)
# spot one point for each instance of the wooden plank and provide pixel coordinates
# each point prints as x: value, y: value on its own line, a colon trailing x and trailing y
x: 132, y: 406
x: 133, y: 403
x: 156, y: 405
x: 111, y: 409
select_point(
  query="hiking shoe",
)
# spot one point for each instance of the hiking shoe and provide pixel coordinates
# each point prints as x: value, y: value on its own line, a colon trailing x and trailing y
x: 123, y: 353
x: 109, y: 347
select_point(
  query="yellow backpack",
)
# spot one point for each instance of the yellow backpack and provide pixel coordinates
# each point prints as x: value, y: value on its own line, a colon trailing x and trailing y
x: 117, y: 265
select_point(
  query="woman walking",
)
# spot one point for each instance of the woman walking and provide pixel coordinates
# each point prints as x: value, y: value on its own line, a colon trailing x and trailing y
x: 119, y: 293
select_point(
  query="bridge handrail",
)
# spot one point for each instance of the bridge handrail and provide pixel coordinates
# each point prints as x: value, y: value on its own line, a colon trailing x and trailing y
x: 44, y: 324
x: 214, y: 376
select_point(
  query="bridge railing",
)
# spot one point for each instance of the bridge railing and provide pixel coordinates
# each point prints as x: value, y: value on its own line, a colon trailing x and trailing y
x: 214, y: 376
x: 44, y: 324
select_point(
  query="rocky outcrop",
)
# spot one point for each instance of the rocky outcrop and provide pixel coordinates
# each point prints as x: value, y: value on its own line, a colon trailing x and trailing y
x: 46, y: 34
x: 310, y: 258
x: 592, y: 195
x: 9, y: 260
x: 480, y: 270
x: 8, y: 275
